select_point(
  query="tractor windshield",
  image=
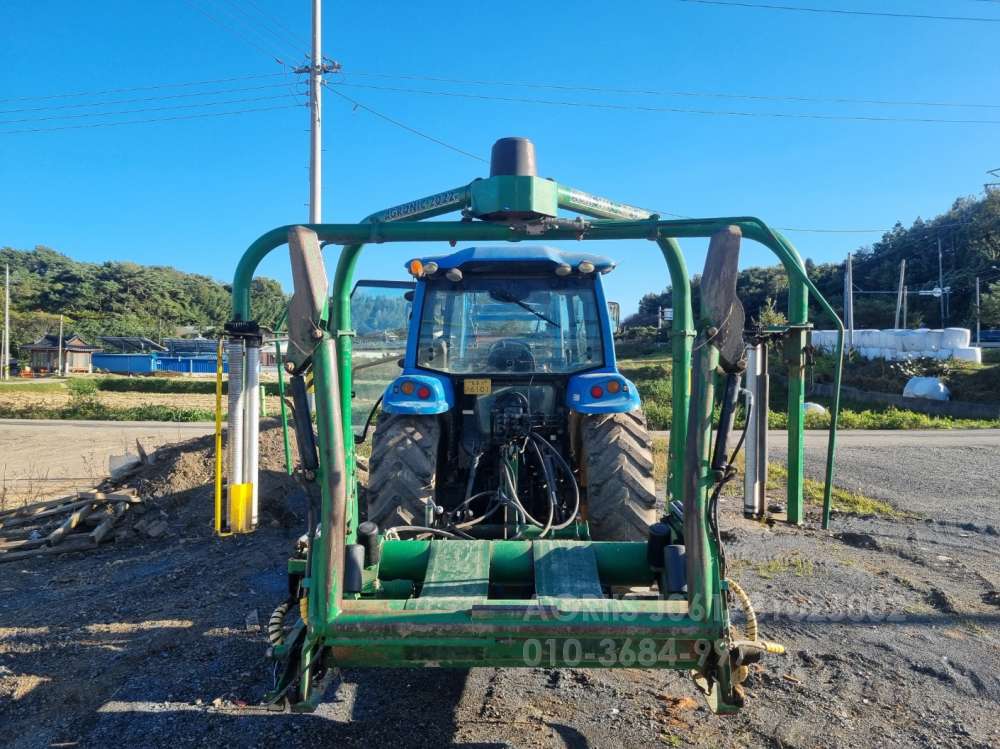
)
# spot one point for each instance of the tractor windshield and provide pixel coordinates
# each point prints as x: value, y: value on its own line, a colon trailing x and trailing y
x: 522, y: 324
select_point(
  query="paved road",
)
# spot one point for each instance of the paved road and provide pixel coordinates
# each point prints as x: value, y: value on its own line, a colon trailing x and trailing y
x: 945, y: 474
x: 941, y: 473
x: 45, y: 458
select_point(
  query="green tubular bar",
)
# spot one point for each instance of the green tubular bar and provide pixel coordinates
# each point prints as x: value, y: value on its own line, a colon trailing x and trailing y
x: 618, y: 563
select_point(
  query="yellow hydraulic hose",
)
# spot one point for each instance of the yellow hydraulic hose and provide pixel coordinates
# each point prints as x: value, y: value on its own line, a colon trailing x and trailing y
x: 752, y: 631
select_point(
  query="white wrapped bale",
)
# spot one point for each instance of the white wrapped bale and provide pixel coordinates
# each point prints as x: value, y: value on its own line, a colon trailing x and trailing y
x: 942, y: 353
x: 813, y: 408
x: 933, y: 340
x: 955, y: 338
x: 913, y: 341
x: 929, y: 388
x: 968, y: 353
x: 820, y: 339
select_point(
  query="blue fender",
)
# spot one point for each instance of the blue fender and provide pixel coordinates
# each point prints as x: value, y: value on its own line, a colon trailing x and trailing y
x: 440, y: 399
x: 580, y: 398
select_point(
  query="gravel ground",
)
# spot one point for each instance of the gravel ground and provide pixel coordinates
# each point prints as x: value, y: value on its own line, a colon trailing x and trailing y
x: 891, y: 628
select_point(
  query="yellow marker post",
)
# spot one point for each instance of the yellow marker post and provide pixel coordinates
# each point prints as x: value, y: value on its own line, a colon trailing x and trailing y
x: 240, y: 511
x: 218, y: 442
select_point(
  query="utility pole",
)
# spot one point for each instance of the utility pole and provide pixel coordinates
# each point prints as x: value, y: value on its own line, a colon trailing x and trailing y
x: 5, y: 368
x: 978, y: 342
x: 316, y: 69
x: 60, y: 345
x: 906, y: 296
x: 849, y: 301
x: 899, y: 291
x: 941, y: 283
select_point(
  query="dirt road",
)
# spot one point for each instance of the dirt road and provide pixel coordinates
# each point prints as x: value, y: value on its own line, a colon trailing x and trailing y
x: 891, y: 627
x: 39, y: 459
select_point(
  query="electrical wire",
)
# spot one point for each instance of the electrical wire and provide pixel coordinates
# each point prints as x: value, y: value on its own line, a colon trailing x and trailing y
x: 155, y: 87
x: 150, y: 109
x: 668, y: 92
x: 840, y: 11
x: 667, y: 110
x: 397, y: 123
x: 293, y: 36
x: 256, y: 24
x: 234, y: 31
x: 116, y: 102
x: 148, y: 121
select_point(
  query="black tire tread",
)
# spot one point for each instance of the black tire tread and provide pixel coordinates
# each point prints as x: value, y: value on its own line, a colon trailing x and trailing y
x: 618, y: 460
x: 402, y: 469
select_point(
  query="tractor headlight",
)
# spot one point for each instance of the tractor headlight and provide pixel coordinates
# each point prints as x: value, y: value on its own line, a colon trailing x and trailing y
x: 454, y: 275
x: 563, y: 270
x: 430, y: 268
x: 585, y: 266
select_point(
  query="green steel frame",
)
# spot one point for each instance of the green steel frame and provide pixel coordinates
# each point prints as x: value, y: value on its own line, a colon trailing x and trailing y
x: 382, y: 630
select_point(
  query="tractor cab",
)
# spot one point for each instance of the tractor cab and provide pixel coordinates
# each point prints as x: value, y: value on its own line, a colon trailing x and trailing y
x: 510, y: 357
x: 487, y: 314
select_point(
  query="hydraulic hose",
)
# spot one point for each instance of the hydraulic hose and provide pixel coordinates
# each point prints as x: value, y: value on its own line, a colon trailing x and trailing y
x: 276, y: 624
x: 752, y: 640
x: 747, y: 606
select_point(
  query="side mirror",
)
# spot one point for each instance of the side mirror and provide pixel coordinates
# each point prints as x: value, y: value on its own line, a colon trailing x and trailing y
x: 408, y: 296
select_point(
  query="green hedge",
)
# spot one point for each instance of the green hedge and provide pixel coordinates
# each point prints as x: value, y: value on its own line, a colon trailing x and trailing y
x: 168, y: 385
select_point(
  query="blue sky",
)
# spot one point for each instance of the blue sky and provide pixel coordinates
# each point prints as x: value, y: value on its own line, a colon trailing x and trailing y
x: 194, y: 193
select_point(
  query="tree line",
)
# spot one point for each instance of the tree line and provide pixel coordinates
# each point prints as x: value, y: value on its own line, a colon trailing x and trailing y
x: 969, y: 234
x: 120, y: 298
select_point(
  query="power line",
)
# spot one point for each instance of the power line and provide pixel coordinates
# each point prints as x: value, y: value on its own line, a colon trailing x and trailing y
x: 235, y: 32
x: 292, y: 35
x: 661, y: 92
x: 148, y: 98
x: 842, y: 12
x: 156, y: 87
x: 397, y: 123
x: 144, y: 122
x: 149, y: 109
x: 672, y: 110
x: 449, y: 146
x: 256, y: 24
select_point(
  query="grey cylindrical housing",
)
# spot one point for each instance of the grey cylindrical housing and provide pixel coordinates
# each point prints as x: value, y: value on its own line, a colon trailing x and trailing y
x: 513, y: 156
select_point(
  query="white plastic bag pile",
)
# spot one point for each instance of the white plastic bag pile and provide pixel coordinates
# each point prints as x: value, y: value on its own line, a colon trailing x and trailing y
x: 950, y: 343
x: 930, y: 388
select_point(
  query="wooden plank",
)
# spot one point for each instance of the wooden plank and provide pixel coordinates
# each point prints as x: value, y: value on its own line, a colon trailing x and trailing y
x: 73, y: 543
x: 89, y: 498
x: 69, y: 524
x: 98, y: 534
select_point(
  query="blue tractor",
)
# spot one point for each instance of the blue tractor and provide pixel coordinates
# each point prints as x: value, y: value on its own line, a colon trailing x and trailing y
x: 510, y: 418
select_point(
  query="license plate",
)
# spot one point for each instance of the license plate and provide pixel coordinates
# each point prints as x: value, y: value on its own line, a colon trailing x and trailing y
x: 479, y: 386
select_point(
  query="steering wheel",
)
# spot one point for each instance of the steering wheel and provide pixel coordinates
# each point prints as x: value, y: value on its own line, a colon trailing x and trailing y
x: 510, y: 355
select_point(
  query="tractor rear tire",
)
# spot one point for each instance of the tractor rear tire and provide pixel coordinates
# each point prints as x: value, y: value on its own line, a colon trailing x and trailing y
x: 618, y: 464
x: 403, y: 469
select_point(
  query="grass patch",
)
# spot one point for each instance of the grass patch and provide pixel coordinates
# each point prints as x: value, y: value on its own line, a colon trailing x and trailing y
x: 205, y: 386
x: 780, y: 565
x: 31, y: 386
x: 843, y: 500
x: 90, y: 410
